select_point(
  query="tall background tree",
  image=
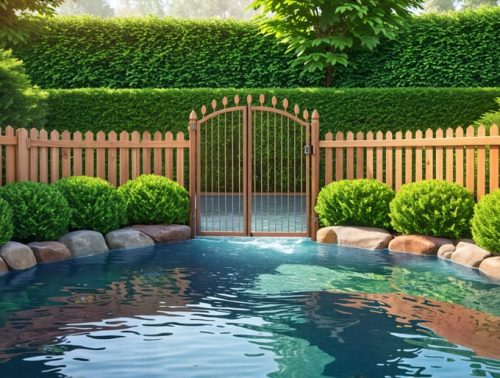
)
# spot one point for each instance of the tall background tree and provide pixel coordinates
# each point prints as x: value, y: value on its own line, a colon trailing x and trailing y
x: 322, y: 32
x: 16, y: 14
x: 210, y: 8
x: 100, y: 8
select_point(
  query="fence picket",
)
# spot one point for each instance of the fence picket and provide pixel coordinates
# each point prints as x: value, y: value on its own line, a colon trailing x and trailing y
x: 494, y: 160
x: 10, y: 157
x: 89, y: 155
x: 339, y: 158
x: 158, y: 158
x: 459, y: 156
x: 439, y: 157
x: 369, y: 157
x: 66, y: 155
x: 418, y: 157
x: 408, y: 159
x: 54, y: 157
x: 350, y: 157
x: 77, y: 154
x: 146, y: 154
x: 360, y: 158
x: 44, y: 158
x: 389, y: 177
x: 429, y: 157
x: 124, y: 159
x: 328, y: 161
x: 169, y: 157
x: 481, y: 165
x: 180, y: 161
x: 136, y: 156
x: 380, y: 158
x: 23, y: 169
x: 399, y: 163
x: 112, y: 160
x: 469, y: 162
x: 101, y: 156
x: 34, y: 153
x: 449, y: 157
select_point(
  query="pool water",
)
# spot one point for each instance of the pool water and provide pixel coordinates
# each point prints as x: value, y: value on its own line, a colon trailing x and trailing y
x: 245, y: 307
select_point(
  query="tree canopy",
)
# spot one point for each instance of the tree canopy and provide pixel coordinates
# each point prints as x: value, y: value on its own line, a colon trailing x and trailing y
x: 322, y: 32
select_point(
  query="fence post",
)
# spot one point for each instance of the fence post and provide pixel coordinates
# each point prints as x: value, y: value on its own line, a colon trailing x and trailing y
x: 23, y: 166
x: 316, y: 156
x: 192, y: 126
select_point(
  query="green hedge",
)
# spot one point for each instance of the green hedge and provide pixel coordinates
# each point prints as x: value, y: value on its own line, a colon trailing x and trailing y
x: 346, y: 109
x: 458, y: 49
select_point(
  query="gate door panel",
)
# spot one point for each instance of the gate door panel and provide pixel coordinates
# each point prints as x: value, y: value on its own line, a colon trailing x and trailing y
x: 253, y: 170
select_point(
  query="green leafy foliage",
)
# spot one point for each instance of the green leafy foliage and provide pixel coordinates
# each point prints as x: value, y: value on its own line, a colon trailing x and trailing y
x: 457, y: 49
x: 355, y: 203
x: 434, y: 208
x: 486, y: 222
x: 152, y: 199
x: 21, y: 105
x: 347, y: 109
x: 322, y: 33
x: 15, y: 17
x: 490, y: 118
x: 6, y: 227
x: 39, y: 211
x: 95, y: 204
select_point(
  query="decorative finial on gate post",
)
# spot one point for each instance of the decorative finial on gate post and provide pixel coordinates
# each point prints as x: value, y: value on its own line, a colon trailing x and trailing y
x: 193, y: 118
x: 315, y: 114
x: 249, y: 99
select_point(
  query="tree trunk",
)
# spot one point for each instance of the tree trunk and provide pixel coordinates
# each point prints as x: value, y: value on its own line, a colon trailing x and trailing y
x: 329, y: 76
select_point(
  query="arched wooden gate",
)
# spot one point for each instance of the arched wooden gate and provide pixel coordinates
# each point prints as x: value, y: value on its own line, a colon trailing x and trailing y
x: 254, y: 169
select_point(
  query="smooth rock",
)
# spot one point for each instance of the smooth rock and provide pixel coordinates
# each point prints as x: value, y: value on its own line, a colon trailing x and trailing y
x: 446, y: 250
x: 326, y: 235
x: 126, y: 238
x: 469, y: 254
x: 3, y: 266
x: 18, y: 256
x: 165, y: 233
x: 417, y: 244
x: 50, y: 251
x: 359, y: 237
x: 84, y: 243
x: 491, y: 267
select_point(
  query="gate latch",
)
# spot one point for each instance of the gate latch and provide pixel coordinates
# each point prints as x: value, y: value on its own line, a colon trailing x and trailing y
x: 308, y: 149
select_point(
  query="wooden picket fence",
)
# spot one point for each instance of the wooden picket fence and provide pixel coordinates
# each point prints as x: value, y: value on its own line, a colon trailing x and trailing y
x: 469, y: 157
x: 38, y: 155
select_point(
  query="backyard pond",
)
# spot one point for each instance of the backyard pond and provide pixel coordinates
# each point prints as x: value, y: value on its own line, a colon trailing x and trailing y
x: 243, y: 307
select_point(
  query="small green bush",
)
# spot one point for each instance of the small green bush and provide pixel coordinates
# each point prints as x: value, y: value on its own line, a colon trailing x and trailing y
x: 6, y: 227
x: 39, y: 211
x: 152, y: 199
x: 486, y: 222
x: 355, y: 203
x: 95, y: 204
x: 490, y: 118
x: 434, y: 208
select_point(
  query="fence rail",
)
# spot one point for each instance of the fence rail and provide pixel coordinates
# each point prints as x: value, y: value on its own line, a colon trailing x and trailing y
x: 469, y: 157
x: 38, y: 155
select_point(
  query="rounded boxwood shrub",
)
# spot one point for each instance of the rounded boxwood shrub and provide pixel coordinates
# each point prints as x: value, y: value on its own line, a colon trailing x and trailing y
x: 486, y: 222
x: 434, y: 208
x: 152, y: 199
x: 95, y: 204
x: 355, y: 203
x: 39, y: 211
x: 6, y: 227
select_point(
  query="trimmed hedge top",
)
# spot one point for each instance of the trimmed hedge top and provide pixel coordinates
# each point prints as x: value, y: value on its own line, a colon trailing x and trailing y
x: 458, y: 49
x: 340, y: 109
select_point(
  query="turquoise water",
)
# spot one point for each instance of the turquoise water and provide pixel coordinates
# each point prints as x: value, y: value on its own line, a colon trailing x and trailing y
x: 249, y: 308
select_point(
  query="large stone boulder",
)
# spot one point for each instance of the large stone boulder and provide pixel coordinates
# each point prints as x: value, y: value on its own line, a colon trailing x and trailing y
x: 18, y: 256
x: 84, y: 243
x: 126, y: 238
x: 50, y: 251
x: 3, y: 266
x: 359, y: 237
x: 417, y: 244
x: 469, y: 254
x: 446, y: 251
x: 491, y: 267
x: 165, y: 233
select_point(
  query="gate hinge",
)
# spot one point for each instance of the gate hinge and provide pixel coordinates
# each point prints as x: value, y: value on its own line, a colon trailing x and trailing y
x: 308, y: 149
x: 193, y: 126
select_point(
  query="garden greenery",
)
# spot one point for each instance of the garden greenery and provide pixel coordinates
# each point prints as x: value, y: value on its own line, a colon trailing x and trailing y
x: 21, y: 105
x: 458, y: 49
x: 95, y: 204
x: 385, y: 109
x: 6, y: 227
x: 486, y: 222
x: 434, y: 208
x: 355, y: 203
x: 152, y: 199
x: 39, y: 211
